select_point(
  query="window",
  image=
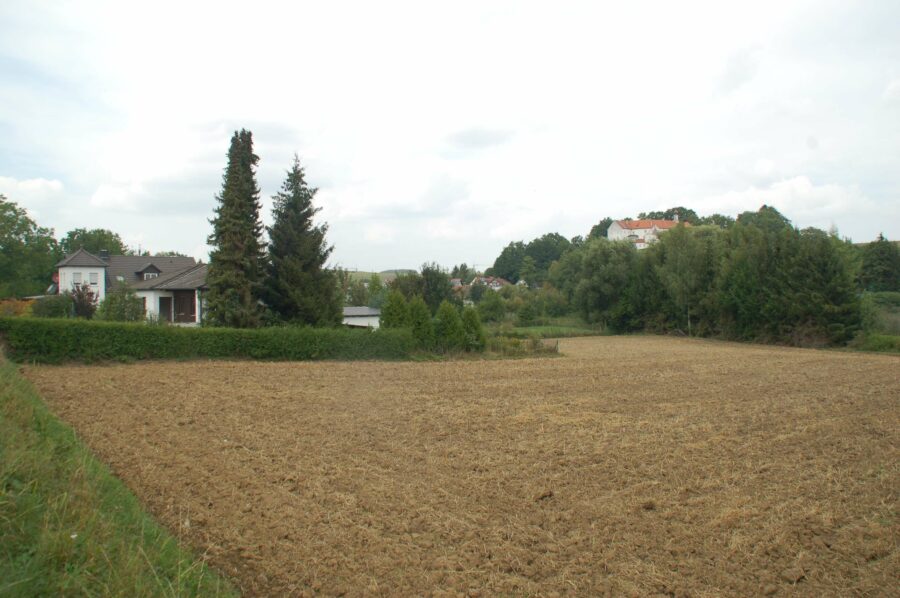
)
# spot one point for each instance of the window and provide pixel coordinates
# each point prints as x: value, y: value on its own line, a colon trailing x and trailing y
x: 94, y: 278
x: 76, y: 277
x: 149, y: 275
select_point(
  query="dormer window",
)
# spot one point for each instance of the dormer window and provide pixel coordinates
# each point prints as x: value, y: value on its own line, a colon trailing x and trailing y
x: 150, y: 275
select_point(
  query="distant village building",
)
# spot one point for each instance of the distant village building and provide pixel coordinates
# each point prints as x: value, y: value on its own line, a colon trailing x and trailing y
x: 495, y: 283
x: 642, y: 233
x: 169, y: 286
x: 362, y: 317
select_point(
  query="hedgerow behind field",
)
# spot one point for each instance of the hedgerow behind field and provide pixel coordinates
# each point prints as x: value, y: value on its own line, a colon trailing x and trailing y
x: 58, y: 340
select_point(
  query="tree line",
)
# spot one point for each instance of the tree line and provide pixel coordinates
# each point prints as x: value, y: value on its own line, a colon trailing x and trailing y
x: 753, y: 277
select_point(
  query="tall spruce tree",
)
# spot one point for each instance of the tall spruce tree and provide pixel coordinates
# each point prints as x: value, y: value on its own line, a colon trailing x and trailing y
x: 298, y: 288
x: 236, y: 264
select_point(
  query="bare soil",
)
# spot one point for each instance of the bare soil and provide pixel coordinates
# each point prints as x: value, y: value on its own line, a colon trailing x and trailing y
x: 630, y: 466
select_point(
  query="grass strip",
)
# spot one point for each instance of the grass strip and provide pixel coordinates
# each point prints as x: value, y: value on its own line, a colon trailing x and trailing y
x: 67, y: 526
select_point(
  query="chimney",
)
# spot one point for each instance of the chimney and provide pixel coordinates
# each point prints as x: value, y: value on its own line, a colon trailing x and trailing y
x: 104, y: 255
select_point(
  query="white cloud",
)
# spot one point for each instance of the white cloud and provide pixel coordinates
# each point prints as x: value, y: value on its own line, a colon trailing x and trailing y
x: 35, y: 195
x: 119, y: 197
x: 427, y: 147
x: 892, y: 91
x: 798, y: 199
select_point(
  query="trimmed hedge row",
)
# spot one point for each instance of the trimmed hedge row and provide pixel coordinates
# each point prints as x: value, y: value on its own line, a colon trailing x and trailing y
x: 56, y: 340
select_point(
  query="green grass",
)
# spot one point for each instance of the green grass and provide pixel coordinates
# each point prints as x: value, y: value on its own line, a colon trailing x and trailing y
x: 882, y: 343
x: 67, y: 526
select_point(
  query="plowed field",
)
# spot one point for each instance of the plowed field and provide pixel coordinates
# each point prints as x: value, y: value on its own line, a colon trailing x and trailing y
x: 632, y: 465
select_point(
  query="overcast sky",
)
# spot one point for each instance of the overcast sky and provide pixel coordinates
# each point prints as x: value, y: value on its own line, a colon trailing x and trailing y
x: 443, y: 131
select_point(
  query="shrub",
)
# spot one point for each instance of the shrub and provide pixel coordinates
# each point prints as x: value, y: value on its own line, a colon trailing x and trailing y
x: 395, y: 312
x: 54, y: 306
x: 420, y: 321
x: 121, y: 305
x: 475, y: 338
x: 448, y: 329
x: 54, y: 341
x: 15, y: 308
x: 84, y: 301
x: 526, y: 314
x: 491, y: 308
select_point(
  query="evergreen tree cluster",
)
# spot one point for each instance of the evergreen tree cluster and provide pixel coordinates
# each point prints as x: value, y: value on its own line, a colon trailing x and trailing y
x: 286, y: 281
x: 448, y: 331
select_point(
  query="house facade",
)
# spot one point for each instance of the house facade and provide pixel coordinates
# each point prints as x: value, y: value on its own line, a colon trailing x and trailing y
x: 170, y: 287
x: 642, y: 233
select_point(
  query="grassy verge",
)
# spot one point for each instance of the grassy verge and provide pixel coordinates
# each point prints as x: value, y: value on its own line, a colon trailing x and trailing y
x: 67, y: 526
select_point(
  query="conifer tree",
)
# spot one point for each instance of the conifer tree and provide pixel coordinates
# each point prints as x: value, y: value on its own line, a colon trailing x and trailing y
x: 299, y: 288
x: 236, y: 265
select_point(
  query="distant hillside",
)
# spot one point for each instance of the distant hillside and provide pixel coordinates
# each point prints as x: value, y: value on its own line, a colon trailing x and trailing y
x: 385, y: 275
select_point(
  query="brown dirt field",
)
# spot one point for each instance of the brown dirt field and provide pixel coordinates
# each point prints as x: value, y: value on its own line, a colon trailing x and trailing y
x: 631, y: 466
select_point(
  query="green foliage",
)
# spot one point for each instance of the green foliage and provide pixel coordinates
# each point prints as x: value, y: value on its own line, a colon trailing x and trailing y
x: 528, y: 272
x: 68, y: 527
x: 491, y: 308
x: 298, y: 288
x: 477, y: 291
x: 605, y: 270
x: 598, y: 231
x: 684, y: 215
x: 121, y: 305
x: 409, y: 284
x: 421, y: 324
x: 358, y: 293
x: 526, y: 314
x: 55, y: 341
x: 463, y: 272
x: 880, y: 266
x: 235, y: 274
x: 54, y: 306
x: 448, y: 329
x: 377, y: 291
x: 475, y: 337
x: 395, y: 311
x: 509, y: 262
x: 93, y: 241
x: 84, y: 301
x: 435, y: 286
x: 28, y: 253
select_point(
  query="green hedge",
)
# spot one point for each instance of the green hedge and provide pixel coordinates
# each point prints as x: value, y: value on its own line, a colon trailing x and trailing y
x: 55, y: 341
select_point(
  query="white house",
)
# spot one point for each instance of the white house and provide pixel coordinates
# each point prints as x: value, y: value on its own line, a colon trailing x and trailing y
x: 171, y: 287
x: 495, y: 283
x: 642, y: 233
x: 362, y: 317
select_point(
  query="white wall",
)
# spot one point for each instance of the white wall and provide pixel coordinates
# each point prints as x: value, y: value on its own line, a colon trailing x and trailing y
x: 152, y: 298
x: 363, y: 321
x: 67, y: 279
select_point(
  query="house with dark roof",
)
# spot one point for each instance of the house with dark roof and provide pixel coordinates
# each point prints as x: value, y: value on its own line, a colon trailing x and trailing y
x: 171, y: 287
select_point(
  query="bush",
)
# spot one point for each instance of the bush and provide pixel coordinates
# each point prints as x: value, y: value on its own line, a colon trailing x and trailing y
x: 121, y: 305
x: 395, y: 312
x: 475, y: 338
x: 54, y: 306
x: 491, y: 308
x: 420, y: 321
x: 55, y: 341
x: 84, y: 301
x: 15, y: 308
x: 448, y: 329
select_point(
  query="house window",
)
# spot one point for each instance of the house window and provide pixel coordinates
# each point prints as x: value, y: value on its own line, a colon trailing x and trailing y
x: 76, y: 277
x: 94, y: 278
x: 149, y: 275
